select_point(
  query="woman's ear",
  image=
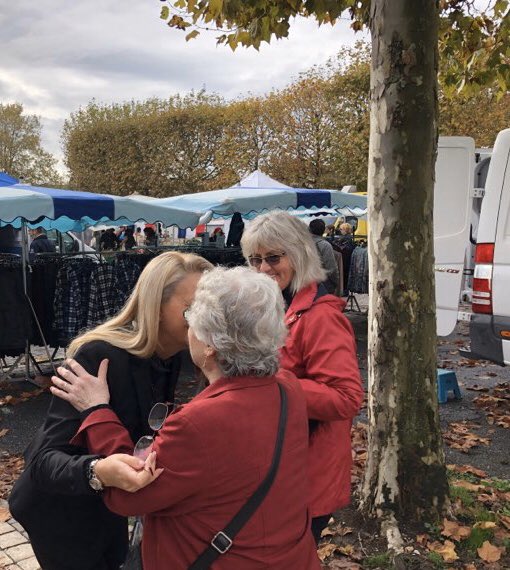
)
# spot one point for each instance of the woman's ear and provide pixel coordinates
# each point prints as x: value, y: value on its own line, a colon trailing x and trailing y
x: 210, y: 351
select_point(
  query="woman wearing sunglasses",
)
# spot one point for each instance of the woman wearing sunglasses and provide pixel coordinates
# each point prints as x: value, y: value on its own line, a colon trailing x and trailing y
x: 57, y: 498
x: 214, y: 452
x: 320, y: 350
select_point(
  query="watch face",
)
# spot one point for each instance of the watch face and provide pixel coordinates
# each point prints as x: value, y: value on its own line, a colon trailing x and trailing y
x: 95, y: 483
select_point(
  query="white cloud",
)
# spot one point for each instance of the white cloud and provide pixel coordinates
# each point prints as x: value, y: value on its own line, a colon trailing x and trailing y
x: 57, y: 56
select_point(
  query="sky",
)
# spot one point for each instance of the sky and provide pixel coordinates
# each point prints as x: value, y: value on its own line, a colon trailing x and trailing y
x: 58, y: 55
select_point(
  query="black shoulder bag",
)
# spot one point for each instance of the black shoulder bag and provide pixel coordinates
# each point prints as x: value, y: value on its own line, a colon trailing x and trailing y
x: 224, y: 540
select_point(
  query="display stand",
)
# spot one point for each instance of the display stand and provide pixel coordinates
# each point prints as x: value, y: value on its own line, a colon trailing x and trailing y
x: 350, y: 302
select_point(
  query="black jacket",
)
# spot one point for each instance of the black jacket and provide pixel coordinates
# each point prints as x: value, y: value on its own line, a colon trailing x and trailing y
x: 68, y: 524
x: 41, y: 244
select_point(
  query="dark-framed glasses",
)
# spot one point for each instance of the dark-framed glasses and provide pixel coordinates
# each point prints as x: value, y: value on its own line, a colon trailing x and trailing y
x: 157, y: 417
x: 272, y: 260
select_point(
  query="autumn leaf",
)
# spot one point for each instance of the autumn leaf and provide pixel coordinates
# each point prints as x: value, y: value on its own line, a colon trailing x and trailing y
x: 326, y: 550
x: 446, y: 550
x: 489, y: 552
x: 3, y: 432
x: 505, y: 521
x: 467, y: 469
x: 5, y: 514
x: 468, y: 486
x: 485, y: 524
x: 452, y: 529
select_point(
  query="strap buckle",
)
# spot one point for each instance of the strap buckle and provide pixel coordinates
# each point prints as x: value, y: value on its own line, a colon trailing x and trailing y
x: 221, y: 542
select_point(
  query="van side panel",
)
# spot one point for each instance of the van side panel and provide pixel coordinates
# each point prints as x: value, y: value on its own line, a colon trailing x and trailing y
x: 452, y: 218
x: 488, y: 331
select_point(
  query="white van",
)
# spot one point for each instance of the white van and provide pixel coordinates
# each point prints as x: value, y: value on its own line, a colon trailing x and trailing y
x: 472, y: 205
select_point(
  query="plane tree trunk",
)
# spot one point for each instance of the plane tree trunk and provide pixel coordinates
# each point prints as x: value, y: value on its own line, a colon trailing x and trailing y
x: 405, y: 474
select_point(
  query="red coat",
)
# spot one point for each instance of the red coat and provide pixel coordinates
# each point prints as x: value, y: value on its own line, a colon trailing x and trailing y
x: 215, y: 452
x: 321, y: 351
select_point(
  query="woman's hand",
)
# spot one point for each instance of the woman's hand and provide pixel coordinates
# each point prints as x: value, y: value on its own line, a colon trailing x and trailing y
x: 127, y: 472
x: 79, y: 388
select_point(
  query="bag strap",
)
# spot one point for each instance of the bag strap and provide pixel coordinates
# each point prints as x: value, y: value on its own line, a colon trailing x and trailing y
x: 223, y: 540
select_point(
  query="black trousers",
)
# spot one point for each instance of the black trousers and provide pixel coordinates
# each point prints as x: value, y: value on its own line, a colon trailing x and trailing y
x: 318, y: 525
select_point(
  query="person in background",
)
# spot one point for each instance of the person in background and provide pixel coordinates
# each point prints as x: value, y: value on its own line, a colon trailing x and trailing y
x: 320, y: 350
x: 57, y: 499
x: 129, y: 239
x: 215, y: 451
x: 139, y: 237
x: 108, y: 240
x: 326, y: 253
x: 217, y: 232
x: 236, y: 230
x: 344, y: 243
x: 40, y: 242
x: 151, y: 238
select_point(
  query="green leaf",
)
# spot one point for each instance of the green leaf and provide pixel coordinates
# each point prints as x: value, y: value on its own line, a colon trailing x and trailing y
x: 165, y: 13
x: 192, y: 35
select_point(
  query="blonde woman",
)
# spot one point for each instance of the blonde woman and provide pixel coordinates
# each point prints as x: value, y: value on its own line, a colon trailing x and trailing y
x: 57, y: 499
x: 320, y: 350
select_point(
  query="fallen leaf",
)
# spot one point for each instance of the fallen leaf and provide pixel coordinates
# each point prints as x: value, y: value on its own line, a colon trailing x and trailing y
x: 326, y: 550
x: 342, y: 564
x: 469, y: 567
x: 467, y: 485
x: 477, y: 388
x: 454, y: 530
x: 467, y: 469
x: 505, y: 521
x: 3, y: 432
x: 5, y: 514
x: 422, y: 539
x: 489, y: 552
x: 446, y: 550
x: 485, y: 524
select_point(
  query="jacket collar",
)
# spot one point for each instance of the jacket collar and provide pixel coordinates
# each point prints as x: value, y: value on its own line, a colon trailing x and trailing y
x: 225, y: 384
x: 302, y: 301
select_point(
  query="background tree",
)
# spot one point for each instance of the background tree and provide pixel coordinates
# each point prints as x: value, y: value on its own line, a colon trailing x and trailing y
x: 21, y: 151
x: 405, y: 475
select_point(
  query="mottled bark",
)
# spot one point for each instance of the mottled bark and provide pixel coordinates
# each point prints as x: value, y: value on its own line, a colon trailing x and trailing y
x: 405, y: 474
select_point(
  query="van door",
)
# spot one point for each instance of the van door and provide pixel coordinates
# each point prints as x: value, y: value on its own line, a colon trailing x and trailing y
x: 452, y: 217
x: 490, y: 321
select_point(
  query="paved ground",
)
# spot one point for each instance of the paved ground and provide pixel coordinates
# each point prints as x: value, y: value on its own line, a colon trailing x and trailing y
x: 23, y: 419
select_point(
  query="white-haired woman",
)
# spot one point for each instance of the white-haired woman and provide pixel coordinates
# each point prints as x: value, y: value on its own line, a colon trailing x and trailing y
x: 320, y: 350
x: 214, y: 452
x: 56, y: 499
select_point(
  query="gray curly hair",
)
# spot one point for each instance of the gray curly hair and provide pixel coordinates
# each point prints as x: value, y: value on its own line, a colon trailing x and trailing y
x: 241, y: 315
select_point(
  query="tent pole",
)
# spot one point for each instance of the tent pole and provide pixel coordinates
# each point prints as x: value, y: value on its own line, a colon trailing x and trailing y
x: 24, y: 264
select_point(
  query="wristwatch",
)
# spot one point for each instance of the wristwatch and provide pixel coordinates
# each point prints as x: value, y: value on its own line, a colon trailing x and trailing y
x: 94, y: 481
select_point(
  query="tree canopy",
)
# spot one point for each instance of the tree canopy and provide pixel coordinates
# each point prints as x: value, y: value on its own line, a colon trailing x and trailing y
x: 474, y: 42
x: 21, y: 151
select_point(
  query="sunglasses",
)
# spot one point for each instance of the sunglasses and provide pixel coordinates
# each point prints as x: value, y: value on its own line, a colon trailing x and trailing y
x: 272, y: 260
x: 157, y: 417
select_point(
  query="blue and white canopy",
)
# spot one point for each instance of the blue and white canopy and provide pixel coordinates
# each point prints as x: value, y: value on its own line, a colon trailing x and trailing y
x: 69, y: 210
x: 251, y: 201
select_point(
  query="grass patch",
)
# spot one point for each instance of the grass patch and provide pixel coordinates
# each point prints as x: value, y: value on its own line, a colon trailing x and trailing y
x: 378, y: 561
x: 481, y: 514
x: 455, y: 476
x: 436, y: 559
x: 502, y: 485
x: 477, y: 537
x: 466, y: 498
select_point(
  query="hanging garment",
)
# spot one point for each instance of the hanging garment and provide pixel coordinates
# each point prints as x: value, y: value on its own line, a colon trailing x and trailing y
x: 14, y: 314
x: 358, y: 271
x: 102, y: 302
x: 126, y: 271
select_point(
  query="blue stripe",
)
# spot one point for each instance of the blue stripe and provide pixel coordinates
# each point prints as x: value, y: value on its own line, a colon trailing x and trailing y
x: 77, y: 205
x: 311, y: 198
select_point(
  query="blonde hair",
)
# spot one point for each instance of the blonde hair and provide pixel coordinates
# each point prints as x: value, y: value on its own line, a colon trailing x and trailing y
x: 279, y: 231
x: 346, y: 227
x: 136, y: 327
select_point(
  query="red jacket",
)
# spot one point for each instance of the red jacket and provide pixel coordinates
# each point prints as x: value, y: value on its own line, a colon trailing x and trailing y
x: 321, y: 351
x: 215, y: 451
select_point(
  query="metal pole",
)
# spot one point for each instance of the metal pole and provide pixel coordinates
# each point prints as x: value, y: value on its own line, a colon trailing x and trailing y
x: 24, y: 265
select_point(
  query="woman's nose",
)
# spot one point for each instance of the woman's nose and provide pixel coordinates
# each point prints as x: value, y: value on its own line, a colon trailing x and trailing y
x: 264, y: 266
